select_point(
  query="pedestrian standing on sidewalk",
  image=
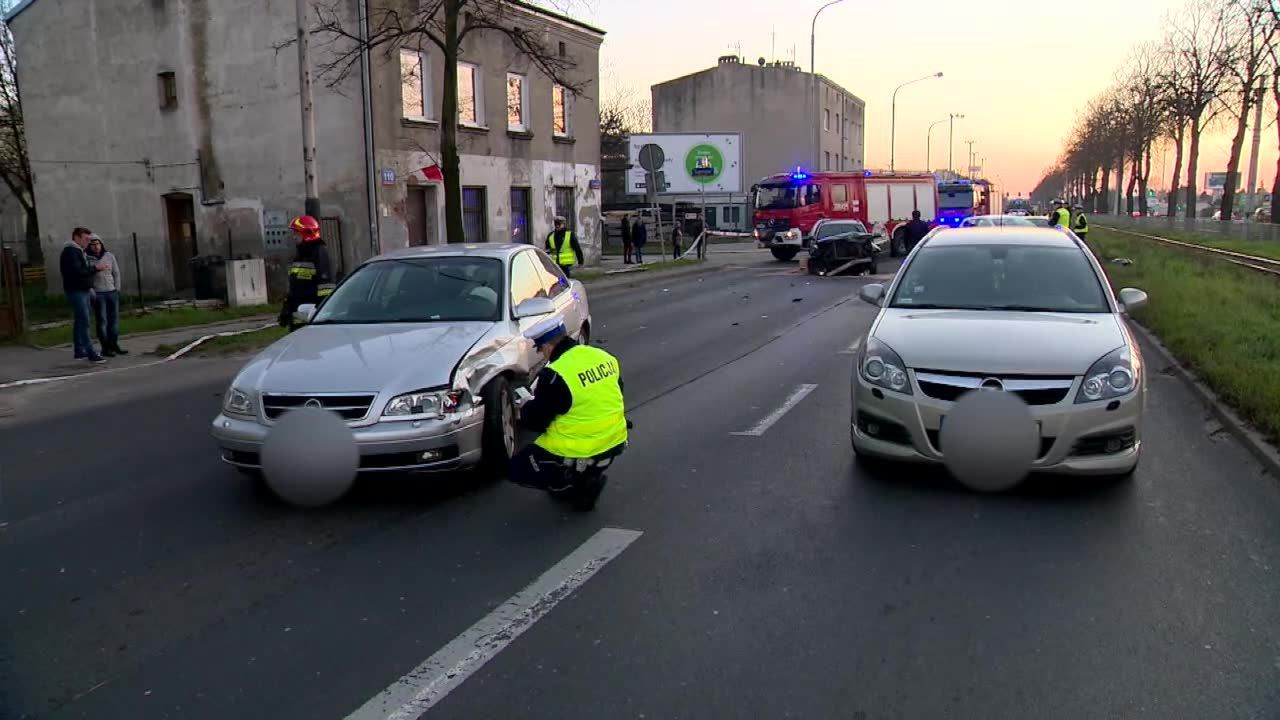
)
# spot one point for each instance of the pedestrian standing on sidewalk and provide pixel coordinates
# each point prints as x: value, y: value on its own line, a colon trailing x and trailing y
x: 639, y: 236
x: 677, y: 240
x: 106, y: 298
x: 77, y: 281
x: 626, y: 240
x: 702, y: 239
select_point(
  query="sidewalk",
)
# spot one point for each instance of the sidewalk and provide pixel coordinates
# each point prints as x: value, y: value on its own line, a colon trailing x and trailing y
x: 22, y: 362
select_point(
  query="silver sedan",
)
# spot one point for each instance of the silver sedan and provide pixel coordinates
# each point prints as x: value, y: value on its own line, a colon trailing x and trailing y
x: 420, y: 351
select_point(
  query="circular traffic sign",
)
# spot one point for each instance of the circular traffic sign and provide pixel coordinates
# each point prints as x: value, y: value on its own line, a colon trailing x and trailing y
x: 652, y: 157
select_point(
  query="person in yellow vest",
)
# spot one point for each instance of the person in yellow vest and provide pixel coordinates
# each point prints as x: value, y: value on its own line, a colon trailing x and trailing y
x: 578, y: 410
x: 1081, y: 222
x: 1061, y: 216
x: 562, y: 246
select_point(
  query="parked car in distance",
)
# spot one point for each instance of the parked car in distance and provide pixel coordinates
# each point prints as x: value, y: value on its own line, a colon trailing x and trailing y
x: 1015, y: 309
x: 419, y: 350
x: 998, y: 221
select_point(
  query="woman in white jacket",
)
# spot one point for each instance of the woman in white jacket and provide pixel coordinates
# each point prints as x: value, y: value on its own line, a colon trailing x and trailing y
x: 106, y: 298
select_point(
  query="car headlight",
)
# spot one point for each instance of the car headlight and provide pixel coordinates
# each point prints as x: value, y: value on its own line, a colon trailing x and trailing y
x: 880, y: 365
x: 422, y: 404
x: 1114, y: 375
x: 237, y: 402
x: 792, y: 235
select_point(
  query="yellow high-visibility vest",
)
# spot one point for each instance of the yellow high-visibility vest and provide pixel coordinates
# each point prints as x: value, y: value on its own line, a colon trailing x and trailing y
x: 564, y: 255
x: 597, y: 420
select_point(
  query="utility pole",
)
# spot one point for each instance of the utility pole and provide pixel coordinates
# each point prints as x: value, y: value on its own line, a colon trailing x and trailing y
x: 813, y: 83
x: 969, y: 171
x: 893, y: 116
x: 312, y: 202
x: 951, y: 143
x: 1257, y: 143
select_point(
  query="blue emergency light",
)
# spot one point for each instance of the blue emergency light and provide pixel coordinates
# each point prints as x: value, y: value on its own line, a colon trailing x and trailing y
x: 799, y: 175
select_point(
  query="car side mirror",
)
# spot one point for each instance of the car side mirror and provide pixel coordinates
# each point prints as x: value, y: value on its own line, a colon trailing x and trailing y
x: 533, y: 307
x: 872, y: 294
x: 1132, y: 299
x: 304, y: 313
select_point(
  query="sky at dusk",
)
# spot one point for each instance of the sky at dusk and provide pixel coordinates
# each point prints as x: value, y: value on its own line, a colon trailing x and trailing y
x: 1019, y: 71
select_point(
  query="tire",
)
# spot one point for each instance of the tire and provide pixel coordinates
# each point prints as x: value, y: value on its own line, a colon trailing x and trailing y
x: 498, y: 438
x: 898, y: 245
x: 784, y: 254
x: 873, y: 267
x: 584, y: 335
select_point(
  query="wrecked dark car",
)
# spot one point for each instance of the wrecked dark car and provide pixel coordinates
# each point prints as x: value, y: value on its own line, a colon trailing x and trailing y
x: 840, y: 246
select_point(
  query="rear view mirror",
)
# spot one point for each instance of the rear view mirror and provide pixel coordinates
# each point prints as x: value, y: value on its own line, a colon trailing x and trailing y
x: 1132, y: 299
x: 304, y: 313
x: 872, y: 294
x: 533, y: 307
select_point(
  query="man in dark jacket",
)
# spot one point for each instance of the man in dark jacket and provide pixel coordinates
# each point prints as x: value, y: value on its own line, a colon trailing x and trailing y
x: 915, y: 231
x: 310, y: 273
x: 639, y: 236
x: 77, y: 282
x: 626, y: 239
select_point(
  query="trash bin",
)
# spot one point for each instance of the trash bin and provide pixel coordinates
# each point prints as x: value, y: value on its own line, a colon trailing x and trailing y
x: 209, y: 277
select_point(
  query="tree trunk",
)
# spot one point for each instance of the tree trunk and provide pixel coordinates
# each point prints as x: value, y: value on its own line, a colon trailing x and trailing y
x: 1233, y: 162
x: 1275, y: 184
x: 1134, y: 170
x: 1143, y: 178
x: 1104, y: 194
x: 35, y: 255
x: 1193, y: 162
x: 453, y: 227
x: 1176, y: 179
x: 1120, y: 184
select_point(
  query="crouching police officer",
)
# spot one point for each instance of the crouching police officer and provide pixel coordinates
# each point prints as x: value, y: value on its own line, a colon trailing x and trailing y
x: 577, y: 408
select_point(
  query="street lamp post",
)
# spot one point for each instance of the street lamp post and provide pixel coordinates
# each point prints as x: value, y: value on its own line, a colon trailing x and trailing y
x: 928, y: 145
x: 951, y: 143
x: 813, y: 82
x: 893, y: 113
x: 969, y: 170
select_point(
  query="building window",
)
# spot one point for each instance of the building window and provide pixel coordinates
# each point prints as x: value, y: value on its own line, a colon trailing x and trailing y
x: 517, y: 103
x: 415, y: 85
x: 737, y: 216
x: 827, y: 159
x: 838, y: 125
x: 725, y: 214
x: 565, y: 206
x: 168, y: 90
x: 473, y: 214
x: 470, y: 95
x: 561, y: 111
x: 562, y: 53
x: 826, y: 120
x: 709, y: 215
x: 520, y: 215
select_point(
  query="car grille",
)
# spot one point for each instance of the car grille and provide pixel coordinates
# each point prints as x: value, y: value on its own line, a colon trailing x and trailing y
x: 349, y: 407
x: 1033, y: 389
x: 1046, y: 443
x: 1097, y: 444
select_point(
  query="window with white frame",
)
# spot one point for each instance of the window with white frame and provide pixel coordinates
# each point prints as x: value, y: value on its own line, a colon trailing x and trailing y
x: 470, y: 95
x: 826, y: 120
x: 517, y: 103
x: 561, y: 111
x: 415, y: 85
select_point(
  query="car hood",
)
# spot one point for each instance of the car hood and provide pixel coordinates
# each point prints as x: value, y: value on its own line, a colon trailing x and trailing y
x: 1020, y: 343
x: 362, y: 358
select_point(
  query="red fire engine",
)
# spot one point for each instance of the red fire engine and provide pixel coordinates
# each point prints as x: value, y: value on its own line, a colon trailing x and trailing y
x: 788, y: 204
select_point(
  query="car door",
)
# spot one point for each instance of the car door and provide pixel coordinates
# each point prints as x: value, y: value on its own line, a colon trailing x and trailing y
x: 570, y: 300
x: 525, y: 282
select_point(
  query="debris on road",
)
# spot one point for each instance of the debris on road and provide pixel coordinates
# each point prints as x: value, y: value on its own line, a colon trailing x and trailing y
x: 1121, y: 261
x: 797, y: 299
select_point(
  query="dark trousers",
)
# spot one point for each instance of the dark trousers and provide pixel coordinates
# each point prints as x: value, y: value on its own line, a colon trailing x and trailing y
x: 640, y: 253
x: 567, y: 269
x: 106, y: 318
x: 534, y: 467
x: 626, y: 251
x: 675, y: 248
x: 79, y: 301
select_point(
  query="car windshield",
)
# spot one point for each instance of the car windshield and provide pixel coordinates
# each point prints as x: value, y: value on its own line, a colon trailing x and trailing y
x: 1031, y: 278
x: 417, y: 290
x: 953, y: 197
x: 826, y: 230
x: 997, y: 221
x: 777, y: 197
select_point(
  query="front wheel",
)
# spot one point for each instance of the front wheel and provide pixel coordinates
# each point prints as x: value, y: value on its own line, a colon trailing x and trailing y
x: 498, y: 439
x: 784, y: 253
x: 898, y: 245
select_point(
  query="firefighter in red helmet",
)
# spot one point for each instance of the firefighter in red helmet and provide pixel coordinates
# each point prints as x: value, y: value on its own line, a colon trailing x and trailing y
x: 310, y: 276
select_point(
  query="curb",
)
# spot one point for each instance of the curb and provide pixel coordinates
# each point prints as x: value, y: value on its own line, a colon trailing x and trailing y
x: 646, y: 278
x: 1251, y: 439
x: 180, y: 329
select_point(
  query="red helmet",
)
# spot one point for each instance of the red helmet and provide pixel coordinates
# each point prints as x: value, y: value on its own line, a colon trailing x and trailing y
x: 306, y: 226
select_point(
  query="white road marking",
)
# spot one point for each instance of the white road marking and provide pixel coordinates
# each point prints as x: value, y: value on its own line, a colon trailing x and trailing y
x: 428, y: 684
x: 853, y: 349
x: 792, y: 400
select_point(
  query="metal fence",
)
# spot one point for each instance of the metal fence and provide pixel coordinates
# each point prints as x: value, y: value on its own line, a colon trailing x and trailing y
x: 1251, y: 231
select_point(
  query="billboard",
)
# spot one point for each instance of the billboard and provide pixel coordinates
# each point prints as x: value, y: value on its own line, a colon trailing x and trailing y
x: 1217, y: 181
x: 692, y: 162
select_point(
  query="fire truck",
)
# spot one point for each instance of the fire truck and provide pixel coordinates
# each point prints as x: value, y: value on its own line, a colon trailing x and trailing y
x: 787, y: 205
x: 960, y: 199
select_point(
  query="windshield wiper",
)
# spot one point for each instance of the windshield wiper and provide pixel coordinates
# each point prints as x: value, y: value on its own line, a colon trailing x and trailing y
x: 1025, y: 308
x: 931, y: 306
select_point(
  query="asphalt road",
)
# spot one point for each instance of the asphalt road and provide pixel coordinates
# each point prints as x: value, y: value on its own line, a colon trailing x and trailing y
x: 772, y: 578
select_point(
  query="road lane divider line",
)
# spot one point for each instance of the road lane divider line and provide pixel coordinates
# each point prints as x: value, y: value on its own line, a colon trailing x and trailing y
x: 852, y: 349
x: 792, y: 400
x: 437, y: 676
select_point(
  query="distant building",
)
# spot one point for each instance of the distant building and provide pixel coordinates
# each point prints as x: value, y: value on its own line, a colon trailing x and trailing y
x: 788, y: 119
x: 179, y: 121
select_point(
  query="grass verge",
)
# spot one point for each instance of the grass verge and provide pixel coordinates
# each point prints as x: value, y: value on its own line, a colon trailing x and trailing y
x: 153, y: 321
x: 1220, y: 320
x: 229, y: 345
x: 589, y: 276
x: 1257, y: 248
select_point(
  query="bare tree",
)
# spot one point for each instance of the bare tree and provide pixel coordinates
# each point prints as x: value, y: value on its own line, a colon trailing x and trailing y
x: 443, y: 24
x: 15, y: 164
x: 1275, y: 97
x: 1252, y: 27
x: 1199, y: 47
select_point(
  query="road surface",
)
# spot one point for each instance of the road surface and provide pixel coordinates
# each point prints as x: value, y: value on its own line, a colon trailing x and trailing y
x: 753, y: 570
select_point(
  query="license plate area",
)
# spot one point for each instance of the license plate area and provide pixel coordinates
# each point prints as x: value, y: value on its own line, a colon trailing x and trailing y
x: 942, y: 420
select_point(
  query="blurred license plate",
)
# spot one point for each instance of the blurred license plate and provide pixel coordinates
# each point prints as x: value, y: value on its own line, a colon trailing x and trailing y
x: 943, y: 418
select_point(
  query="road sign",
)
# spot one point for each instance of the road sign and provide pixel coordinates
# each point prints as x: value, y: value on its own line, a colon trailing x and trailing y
x: 652, y: 157
x: 694, y: 163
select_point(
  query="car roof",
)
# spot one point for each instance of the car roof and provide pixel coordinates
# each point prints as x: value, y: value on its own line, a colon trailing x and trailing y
x: 1007, y: 235
x: 499, y: 251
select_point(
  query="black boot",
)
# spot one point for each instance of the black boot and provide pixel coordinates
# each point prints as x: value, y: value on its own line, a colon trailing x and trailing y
x: 115, y: 347
x: 107, y: 350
